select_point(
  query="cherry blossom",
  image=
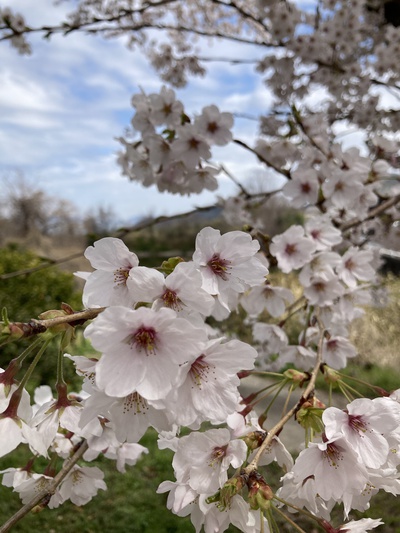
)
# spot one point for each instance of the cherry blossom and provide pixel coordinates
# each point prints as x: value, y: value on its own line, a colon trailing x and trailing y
x: 210, y: 390
x: 227, y: 262
x: 292, y: 249
x: 334, y: 467
x: 364, y: 425
x: 142, y: 350
x: 107, y: 284
x: 202, y: 459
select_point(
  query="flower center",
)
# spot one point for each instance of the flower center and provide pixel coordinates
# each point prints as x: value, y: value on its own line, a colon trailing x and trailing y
x: 219, y: 266
x: 121, y: 275
x: 144, y: 339
x: 136, y: 403
x: 170, y: 299
x: 217, y: 455
x: 199, y: 371
x: 290, y: 249
x: 332, y: 455
x: 212, y: 127
x: 357, y: 424
x: 349, y: 264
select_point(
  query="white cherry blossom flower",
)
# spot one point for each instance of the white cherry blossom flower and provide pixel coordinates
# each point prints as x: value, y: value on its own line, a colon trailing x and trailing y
x: 142, y: 350
x: 334, y: 467
x: 81, y: 484
x: 181, y: 290
x: 15, y: 419
x: 303, y: 188
x: 271, y: 337
x: 210, y: 390
x: 292, y: 249
x: 202, y: 459
x: 356, y: 265
x: 364, y: 425
x: 302, y: 493
x: 165, y: 109
x: 267, y: 297
x: 323, y: 289
x: 322, y: 263
x: 130, y: 416
x: 323, y: 233
x: 214, y: 125
x: 107, y: 284
x: 190, y: 146
x: 227, y: 263
x: 336, y: 351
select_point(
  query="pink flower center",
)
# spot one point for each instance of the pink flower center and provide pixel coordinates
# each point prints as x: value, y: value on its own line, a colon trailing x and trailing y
x: 212, y: 127
x: 290, y: 249
x: 349, y: 264
x: 199, y: 371
x: 171, y: 300
x: 332, y: 455
x: 357, y: 424
x: 319, y: 286
x: 332, y: 345
x: 144, y: 339
x: 219, y: 266
x: 193, y: 143
x: 217, y: 454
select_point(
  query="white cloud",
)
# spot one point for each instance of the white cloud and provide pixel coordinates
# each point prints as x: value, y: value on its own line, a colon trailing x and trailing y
x: 62, y: 106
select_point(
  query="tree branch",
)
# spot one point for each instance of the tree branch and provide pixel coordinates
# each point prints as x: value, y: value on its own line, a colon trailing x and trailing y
x: 306, y: 394
x: 45, y: 494
x: 372, y: 213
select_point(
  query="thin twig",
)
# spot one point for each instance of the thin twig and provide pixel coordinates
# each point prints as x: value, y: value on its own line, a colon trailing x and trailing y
x: 371, y: 214
x: 273, y: 431
x: 282, y: 171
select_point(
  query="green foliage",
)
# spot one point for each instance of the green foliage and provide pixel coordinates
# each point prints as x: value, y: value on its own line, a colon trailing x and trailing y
x: 27, y: 295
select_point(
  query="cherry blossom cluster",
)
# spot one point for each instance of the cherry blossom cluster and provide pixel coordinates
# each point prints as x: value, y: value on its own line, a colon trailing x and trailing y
x: 162, y: 366
x: 348, y: 49
x: 176, y: 158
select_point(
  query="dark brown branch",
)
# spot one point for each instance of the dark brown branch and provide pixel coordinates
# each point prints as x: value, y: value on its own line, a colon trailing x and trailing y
x: 282, y: 171
x: 372, y: 213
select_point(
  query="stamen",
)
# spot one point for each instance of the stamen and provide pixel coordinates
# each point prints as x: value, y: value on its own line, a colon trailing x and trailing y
x: 121, y: 275
x: 171, y: 300
x: 357, y: 424
x: 217, y: 455
x: 144, y: 339
x: 332, y: 455
x: 199, y: 371
x: 290, y: 249
x: 136, y: 403
x: 219, y: 266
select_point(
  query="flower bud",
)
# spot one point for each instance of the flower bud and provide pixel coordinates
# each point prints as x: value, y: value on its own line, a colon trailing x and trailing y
x: 260, y: 493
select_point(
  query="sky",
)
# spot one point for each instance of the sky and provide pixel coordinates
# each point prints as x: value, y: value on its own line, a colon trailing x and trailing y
x: 62, y: 107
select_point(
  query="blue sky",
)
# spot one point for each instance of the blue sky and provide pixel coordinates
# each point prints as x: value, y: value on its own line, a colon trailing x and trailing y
x: 62, y: 107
